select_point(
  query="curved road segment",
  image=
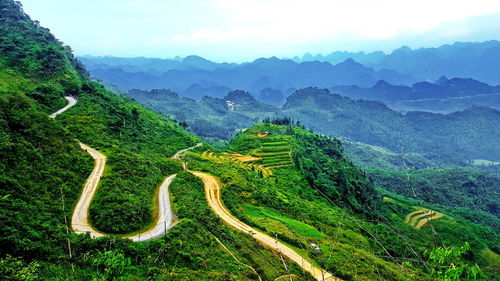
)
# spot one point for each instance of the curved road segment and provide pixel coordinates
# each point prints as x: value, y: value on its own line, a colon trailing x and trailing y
x: 213, y: 195
x: 71, y: 102
x: 80, y: 218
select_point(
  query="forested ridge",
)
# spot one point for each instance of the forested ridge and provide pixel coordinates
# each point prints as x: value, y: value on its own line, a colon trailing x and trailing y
x: 439, y: 139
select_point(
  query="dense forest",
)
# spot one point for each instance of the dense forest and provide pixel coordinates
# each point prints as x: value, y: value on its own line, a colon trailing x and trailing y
x: 211, y: 118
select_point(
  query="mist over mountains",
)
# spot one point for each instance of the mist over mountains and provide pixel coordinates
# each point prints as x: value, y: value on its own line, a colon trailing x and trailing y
x: 253, y: 77
x: 477, y: 60
x: 450, y: 71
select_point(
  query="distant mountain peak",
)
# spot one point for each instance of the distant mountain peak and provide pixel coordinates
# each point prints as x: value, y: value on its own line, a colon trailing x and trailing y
x: 404, y: 49
x: 442, y: 80
x: 350, y: 63
x: 194, y: 59
x: 382, y: 84
x: 239, y: 96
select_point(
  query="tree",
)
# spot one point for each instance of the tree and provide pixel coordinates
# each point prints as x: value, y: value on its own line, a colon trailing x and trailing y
x: 449, y: 267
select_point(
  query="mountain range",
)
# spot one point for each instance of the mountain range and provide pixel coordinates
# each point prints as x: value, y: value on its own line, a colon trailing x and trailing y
x: 477, y: 60
x: 444, y: 139
x: 253, y: 77
x: 404, y: 74
x: 442, y: 88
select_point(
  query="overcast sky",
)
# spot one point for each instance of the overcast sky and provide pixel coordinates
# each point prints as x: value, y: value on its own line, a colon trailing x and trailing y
x: 242, y: 30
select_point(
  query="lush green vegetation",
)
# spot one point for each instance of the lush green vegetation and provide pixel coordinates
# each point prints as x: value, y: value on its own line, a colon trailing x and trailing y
x: 449, y: 187
x: 137, y: 140
x: 353, y: 246
x: 191, y: 206
x: 43, y: 171
x: 138, y: 144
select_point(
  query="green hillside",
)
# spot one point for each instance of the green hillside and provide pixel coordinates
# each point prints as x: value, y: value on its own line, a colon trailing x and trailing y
x: 442, y: 138
x: 361, y: 235
x: 211, y: 118
x: 43, y: 170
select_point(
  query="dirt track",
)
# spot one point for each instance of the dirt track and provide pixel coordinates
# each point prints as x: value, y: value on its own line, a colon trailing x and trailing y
x: 213, y: 195
x: 80, y: 219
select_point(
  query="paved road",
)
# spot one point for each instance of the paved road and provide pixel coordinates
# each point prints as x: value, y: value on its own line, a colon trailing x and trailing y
x: 71, y: 102
x: 213, y: 195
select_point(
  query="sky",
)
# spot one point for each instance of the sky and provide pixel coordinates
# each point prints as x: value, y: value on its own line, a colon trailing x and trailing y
x: 243, y: 30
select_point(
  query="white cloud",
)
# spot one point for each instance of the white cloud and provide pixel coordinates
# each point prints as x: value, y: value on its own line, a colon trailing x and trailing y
x: 246, y: 29
x: 314, y: 20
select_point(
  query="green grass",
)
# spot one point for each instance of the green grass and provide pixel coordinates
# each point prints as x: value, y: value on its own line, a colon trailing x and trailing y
x: 297, y: 227
x: 275, y: 148
x: 275, y: 143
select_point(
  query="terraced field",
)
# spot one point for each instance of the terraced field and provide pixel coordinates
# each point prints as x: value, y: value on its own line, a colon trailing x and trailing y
x: 275, y: 153
x: 244, y: 160
x: 421, y: 217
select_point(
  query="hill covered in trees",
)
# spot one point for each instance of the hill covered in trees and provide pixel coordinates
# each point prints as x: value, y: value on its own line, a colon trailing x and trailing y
x: 441, y: 139
x: 445, y: 138
x: 212, y: 118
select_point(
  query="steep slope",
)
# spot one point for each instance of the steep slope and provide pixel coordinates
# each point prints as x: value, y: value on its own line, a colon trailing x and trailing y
x: 44, y: 169
x: 313, y: 207
x: 99, y: 118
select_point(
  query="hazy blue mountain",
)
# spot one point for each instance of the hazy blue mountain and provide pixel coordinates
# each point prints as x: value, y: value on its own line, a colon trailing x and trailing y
x: 416, y: 70
x: 272, y: 96
x: 197, y: 91
x: 253, y: 77
x: 480, y: 61
x: 150, y: 65
x: 340, y: 56
x: 442, y: 88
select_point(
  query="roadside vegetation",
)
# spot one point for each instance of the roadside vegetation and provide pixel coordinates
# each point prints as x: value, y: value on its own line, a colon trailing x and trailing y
x: 287, y: 205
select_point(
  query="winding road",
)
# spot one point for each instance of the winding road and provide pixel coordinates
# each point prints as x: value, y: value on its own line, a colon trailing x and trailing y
x: 213, y: 195
x: 80, y: 218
